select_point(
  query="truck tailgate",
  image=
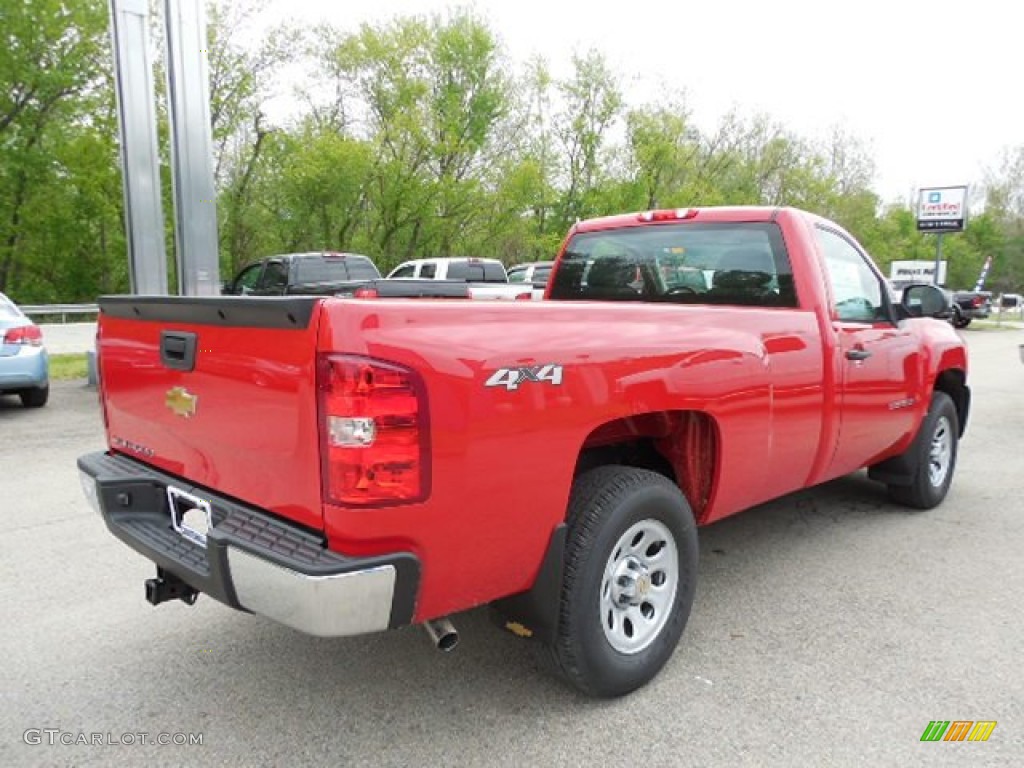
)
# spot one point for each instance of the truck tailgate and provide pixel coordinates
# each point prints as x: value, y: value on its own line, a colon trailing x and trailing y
x: 218, y: 391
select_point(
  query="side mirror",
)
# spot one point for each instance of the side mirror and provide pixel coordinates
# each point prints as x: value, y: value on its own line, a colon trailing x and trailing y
x: 925, y: 301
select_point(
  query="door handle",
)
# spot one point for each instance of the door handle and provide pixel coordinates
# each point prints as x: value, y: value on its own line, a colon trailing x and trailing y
x: 857, y: 353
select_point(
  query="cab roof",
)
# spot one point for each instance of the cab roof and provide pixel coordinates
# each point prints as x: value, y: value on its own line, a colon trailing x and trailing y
x: 753, y: 213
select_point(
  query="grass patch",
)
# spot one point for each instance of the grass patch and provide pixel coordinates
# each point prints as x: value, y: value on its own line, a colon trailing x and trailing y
x: 65, y: 367
x: 993, y: 325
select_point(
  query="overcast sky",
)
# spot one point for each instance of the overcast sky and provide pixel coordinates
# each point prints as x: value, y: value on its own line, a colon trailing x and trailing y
x: 931, y: 86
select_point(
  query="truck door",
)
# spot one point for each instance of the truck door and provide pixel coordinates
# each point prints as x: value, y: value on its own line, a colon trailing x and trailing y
x: 245, y: 282
x: 877, y: 361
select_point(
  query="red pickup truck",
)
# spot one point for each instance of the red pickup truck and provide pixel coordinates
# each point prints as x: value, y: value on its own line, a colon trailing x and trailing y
x: 348, y: 465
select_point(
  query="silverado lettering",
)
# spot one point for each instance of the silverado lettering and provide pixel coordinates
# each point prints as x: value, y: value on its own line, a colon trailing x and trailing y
x: 356, y: 465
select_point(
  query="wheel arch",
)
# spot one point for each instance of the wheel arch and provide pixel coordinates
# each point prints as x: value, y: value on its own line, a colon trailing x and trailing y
x: 900, y: 470
x: 680, y: 445
x: 953, y: 381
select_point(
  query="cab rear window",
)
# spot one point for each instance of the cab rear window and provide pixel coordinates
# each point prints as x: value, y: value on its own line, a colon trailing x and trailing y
x: 687, y: 263
x: 318, y: 269
x: 477, y: 271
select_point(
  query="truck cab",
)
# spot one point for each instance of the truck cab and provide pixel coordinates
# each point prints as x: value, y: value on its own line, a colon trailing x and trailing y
x: 468, y: 269
x: 301, y: 273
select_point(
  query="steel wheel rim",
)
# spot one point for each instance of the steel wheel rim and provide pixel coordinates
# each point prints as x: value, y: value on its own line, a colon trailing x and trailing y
x: 940, y: 453
x: 638, y: 589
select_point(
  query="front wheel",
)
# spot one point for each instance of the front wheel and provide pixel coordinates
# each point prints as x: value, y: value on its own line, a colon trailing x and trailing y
x: 934, y: 452
x: 629, y: 579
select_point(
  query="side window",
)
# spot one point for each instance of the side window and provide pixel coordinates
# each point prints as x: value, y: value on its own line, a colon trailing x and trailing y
x: 408, y: 270
x: 246, y: 282
x: 428, y: 271
x: 463, y: 270
x: 361, y: 268
x: 541, y: 275
x: 517, y: 275
x: 275, y: 277
x: 494, y: 273
x: 856, y: 289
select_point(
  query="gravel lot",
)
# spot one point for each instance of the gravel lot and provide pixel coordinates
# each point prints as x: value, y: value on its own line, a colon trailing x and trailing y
x: 830, y: 627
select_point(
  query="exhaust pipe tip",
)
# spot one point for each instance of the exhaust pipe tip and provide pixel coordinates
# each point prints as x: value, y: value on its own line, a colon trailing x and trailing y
x: 442, y: 634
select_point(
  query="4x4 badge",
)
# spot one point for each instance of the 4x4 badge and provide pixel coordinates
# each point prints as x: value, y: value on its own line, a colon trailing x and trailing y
x: 181, y: 402
x: 511, y: 378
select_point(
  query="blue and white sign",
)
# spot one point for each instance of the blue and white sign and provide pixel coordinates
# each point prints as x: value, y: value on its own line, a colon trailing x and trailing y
x: 942, y: 209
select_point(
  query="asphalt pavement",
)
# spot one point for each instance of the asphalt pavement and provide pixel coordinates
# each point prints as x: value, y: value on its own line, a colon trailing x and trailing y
x: 830, y: 628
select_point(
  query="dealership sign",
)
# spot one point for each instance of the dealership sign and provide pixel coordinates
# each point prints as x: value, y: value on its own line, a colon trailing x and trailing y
x: 906, y: 272
x: 942, y: 209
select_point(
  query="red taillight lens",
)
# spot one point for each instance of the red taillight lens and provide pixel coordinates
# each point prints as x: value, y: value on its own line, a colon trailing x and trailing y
x: 366, y: 293
x: 373, y: 424
x: 978, y: 301
x: 26, y: 334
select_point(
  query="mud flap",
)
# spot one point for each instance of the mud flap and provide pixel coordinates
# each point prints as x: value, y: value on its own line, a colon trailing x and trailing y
x: 534, y: 613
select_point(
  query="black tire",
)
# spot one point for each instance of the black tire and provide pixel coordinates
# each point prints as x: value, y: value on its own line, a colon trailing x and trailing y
x: 607, y: 504
x: 934, y: 452
x: 959, y: 321
x: 35, y: 397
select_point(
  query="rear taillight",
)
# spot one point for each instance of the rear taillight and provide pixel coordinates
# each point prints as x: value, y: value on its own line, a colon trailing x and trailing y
x: 978, y: 301
x: 26, y: 334
x: 366, y: 293
x: 373, y: 422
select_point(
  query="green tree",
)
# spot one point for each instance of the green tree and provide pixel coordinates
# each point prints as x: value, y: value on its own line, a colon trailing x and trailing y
x: 591, y: 103
x: 524, y: 208
x: 432, y: 93
x: 664, y: 150
x: 1004, y: 200
x: 53, y: 93
x: 241, y: 81
x: 413, y: 141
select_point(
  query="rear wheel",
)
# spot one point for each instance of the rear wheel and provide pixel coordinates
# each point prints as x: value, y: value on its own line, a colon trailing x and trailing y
x: 35, y: 397
x: 934, y: 451
x: 629, y: 579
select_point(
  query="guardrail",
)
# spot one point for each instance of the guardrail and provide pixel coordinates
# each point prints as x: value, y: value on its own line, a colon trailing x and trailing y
x: 61, y: 310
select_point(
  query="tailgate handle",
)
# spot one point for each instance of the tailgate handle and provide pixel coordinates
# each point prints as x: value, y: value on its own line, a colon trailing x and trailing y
x: 178, y: 350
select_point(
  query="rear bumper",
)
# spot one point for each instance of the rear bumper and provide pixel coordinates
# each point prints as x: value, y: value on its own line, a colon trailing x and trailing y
x: 27, y: 367
x: 253, y: 561
x: 974, y: 313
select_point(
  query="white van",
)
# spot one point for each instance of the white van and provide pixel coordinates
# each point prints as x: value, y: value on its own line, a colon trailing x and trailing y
x: 1013, y: 302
